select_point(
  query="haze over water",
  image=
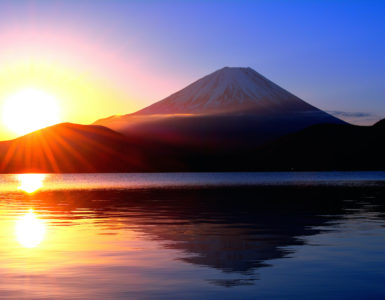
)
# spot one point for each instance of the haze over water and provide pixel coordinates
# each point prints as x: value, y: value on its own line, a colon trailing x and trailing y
x: 314, y: 235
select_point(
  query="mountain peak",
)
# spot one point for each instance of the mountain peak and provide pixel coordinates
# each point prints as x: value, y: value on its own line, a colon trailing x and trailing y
x: 232, y: 69
x: 235, y: 73
x: 230, y: 89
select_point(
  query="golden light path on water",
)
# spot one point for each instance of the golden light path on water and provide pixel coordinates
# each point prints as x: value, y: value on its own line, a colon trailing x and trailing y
x: 30, y: 230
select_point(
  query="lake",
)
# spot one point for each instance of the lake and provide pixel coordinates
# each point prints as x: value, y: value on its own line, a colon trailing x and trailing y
x: 308, y: 235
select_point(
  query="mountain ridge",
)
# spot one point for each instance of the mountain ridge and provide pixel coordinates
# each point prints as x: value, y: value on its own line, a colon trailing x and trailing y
x: 69, y: 147
x: 73, y: 148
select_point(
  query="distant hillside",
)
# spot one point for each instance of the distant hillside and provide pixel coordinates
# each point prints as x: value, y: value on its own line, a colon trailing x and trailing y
x: 327, y: 147
x: 318, y: 147
x: 69, y: 148
x: 79, y: 148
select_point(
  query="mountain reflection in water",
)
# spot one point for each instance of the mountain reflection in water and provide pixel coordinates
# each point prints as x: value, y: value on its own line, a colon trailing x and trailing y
x: 172, y: 242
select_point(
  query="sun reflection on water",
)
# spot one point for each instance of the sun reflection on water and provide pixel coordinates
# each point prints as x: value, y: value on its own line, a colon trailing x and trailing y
x: 30, y: 230
x: 30, y: 183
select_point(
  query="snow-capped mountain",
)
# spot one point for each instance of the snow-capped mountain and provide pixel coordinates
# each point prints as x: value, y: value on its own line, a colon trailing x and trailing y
x: 234, y: 106
x: 228, y: 90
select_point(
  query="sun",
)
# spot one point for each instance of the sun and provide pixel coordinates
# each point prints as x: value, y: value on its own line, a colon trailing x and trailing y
x: 30, y: 109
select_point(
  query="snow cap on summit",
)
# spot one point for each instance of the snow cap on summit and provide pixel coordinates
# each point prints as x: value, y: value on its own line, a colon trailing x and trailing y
x: 226, y: 90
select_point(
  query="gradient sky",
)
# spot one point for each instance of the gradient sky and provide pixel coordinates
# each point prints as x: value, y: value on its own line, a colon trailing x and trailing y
x: 113, y: 57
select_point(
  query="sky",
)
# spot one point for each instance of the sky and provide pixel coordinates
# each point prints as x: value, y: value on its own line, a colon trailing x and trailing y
x: 100, y: 58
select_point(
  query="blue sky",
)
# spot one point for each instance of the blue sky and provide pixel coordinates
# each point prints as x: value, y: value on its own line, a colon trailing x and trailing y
x: 329, y: 53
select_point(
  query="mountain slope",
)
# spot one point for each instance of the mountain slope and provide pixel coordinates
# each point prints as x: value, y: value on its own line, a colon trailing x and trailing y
x: 228, y: 90
x: 321, y: 147
x: 69, y: 148
x: 230, y: 105
x: 327, y: 147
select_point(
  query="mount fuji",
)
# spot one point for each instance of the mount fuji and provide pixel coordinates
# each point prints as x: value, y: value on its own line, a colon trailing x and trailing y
x: 235, y: 107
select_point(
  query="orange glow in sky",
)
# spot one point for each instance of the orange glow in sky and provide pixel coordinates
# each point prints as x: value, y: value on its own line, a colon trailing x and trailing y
x: 40, y: 66
x: 88, y: 80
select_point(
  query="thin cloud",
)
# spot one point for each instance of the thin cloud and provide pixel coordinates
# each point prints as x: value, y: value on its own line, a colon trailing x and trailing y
x: 357, y: 118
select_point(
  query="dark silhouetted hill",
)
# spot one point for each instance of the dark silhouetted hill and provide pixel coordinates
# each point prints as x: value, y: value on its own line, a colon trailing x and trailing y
x: 88, y: 148
x: 69, y: 148
x: 328, y: 147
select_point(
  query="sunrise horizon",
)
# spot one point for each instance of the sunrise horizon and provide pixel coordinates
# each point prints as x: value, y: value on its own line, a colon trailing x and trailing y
x: 116, y: 70
x: 192, y: 149
x: 44, y: 110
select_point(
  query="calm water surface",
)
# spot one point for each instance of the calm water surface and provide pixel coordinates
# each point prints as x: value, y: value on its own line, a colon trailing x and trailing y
x: 188, y: 236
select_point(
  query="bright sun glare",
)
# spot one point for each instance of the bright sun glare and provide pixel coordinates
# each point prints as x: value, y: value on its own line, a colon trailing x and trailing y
x: 30, y: 183
x: 29, y: 110
x: 30, y: 230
